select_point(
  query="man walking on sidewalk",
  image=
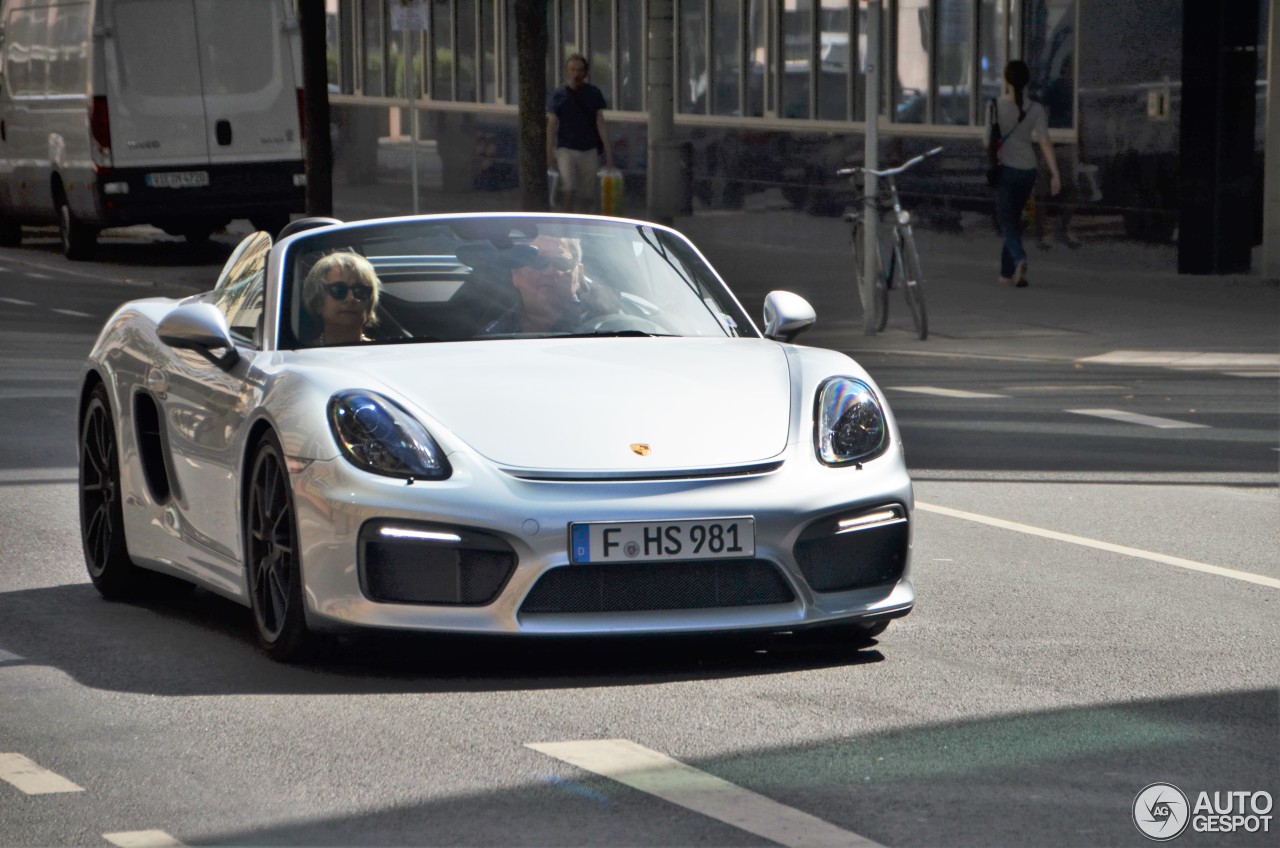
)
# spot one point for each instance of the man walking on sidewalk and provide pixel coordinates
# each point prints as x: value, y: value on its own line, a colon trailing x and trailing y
x: 576, y: 135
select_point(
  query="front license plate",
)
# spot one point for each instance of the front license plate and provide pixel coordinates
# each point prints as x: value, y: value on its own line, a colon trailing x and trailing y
x: 178, y: 179
x: 646, y: 541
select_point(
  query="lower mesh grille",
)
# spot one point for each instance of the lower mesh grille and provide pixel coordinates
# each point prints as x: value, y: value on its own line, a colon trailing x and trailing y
x: 468, y: 569
x: 836, y: 561
x: 646, y: 586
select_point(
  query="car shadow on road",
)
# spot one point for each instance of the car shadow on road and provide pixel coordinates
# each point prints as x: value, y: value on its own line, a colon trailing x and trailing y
x: 191, y: 642
x: 141, y: 251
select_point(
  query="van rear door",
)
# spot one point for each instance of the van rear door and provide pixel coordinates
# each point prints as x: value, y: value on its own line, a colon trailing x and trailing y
x: 154, y: 91
x: 202, y: 82
x: 250, y: 61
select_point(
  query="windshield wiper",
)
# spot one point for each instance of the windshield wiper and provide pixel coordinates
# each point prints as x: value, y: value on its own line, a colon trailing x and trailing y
x: 616, y: 334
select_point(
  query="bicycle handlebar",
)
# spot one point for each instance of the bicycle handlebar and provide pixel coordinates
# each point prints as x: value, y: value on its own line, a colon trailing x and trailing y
x: 889, y: 172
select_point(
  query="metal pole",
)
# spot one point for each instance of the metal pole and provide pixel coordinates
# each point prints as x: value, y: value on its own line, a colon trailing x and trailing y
x: 413, y: 117
x: 870, y: 160
x: 663, y: 178
x: 1271, y: 167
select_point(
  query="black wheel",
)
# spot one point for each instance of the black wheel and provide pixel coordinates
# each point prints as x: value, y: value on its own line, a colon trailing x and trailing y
x: 272, y: 559
x: 79, y: 240
x: 101, y: 516
x: 879, y: 311
x: 271, y: 222
x: 913, y: 285
x: 10, y: 233
x: 198, y: 234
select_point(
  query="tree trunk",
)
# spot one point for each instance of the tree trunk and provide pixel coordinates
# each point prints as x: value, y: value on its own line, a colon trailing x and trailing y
x: 318, y: 150
x: 531, y: 56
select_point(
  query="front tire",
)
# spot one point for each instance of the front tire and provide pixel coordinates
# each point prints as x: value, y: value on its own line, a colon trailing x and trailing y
x: 79, y: 240
x: 101, y: 515
x: 273, y: 561
x: 10, y: 233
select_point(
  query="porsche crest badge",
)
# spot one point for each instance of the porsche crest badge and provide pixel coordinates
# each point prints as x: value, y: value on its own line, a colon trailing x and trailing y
x: 640, y: 448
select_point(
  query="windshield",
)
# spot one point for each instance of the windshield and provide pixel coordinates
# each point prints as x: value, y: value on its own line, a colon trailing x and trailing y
x: 499, y: 277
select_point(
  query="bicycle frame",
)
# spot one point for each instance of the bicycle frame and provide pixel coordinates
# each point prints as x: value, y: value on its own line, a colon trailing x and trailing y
x: 903, y: 257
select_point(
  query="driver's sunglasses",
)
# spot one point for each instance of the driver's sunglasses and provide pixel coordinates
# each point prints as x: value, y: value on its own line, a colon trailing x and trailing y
x: 338, y: 291
x: 560, y: 263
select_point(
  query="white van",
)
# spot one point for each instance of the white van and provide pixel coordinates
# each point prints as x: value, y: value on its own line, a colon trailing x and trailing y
x: 184, y: 114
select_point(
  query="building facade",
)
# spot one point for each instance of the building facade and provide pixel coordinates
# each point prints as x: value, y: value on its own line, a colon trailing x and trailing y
x: 770, y: 95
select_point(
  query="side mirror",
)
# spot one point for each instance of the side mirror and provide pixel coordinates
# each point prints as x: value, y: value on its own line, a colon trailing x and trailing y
x: 200, y: 327
x: 786, y: 315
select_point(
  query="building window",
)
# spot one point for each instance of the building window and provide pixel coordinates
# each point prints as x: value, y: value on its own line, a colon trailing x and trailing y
x: 600, y: 43
x: 726, y: 57
x: 631, y: 57
x: 797, y: 58
x: 691, y: 58
x: 1051, y: 40
x: 443, y: 56
x: 913, y: 50
x: 372, y: 25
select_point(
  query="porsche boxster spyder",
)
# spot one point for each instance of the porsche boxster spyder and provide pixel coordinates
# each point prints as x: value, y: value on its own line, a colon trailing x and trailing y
x: 501, y: 424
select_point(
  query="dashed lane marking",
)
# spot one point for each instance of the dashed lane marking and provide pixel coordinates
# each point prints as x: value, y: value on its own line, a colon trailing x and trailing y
x: 1152, y: 556
x: 1136, y: 418
x: 32, y: 778
x: 939, y: 392
x: 73, y: 313
x: 16, y: 302
x: 38, y: 275
x: 141, y: 839
x: 657, y: 774
x: 1237, y: 364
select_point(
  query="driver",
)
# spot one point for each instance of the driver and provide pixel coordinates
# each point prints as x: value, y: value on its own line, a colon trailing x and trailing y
x: 554, y: 295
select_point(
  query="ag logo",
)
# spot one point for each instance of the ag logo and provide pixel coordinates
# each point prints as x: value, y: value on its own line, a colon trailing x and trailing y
x: 1161, y: 811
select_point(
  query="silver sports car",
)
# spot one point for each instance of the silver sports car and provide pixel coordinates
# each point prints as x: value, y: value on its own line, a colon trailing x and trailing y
x: 500, y: 424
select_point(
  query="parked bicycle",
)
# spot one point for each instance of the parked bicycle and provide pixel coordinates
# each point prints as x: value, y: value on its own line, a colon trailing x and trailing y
x: 902, y: 270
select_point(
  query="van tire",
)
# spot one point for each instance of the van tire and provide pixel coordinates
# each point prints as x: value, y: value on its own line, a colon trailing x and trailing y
x: 79, y: 240
x: 197, y: 234
x: 10, y: 233
x: 271, y: 222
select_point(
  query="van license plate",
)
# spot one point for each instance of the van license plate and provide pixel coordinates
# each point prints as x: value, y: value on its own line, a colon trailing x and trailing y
x: 648, y: 541
x: 178, y: 179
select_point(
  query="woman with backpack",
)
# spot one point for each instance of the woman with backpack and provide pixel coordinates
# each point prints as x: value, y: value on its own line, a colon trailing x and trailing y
x: 1028, y: 127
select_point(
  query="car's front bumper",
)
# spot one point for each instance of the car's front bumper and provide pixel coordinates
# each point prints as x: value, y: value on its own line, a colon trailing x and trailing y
x: 531, y: 518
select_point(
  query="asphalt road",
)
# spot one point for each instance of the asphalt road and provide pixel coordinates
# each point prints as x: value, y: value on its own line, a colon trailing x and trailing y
x: 1097, y: 612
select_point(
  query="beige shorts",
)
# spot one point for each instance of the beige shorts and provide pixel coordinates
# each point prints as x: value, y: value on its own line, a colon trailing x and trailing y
x: 578, y: 171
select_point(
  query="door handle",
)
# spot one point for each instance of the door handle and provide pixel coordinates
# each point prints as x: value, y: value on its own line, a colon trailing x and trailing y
x: 222, y: 131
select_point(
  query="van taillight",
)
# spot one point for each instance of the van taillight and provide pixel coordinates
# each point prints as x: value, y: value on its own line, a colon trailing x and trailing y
x: 302, y: 113
x: 100, y: 125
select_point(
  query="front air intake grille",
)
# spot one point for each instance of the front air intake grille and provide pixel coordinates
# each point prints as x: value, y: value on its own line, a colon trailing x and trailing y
x: 649, y: 586
x: 855, y: 552
x: 404, y: 563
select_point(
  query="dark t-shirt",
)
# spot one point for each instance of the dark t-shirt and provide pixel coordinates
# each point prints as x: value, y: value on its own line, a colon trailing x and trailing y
x: 577, y: 112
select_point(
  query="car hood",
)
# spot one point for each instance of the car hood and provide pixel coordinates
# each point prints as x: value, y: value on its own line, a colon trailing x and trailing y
x: 636, y: 405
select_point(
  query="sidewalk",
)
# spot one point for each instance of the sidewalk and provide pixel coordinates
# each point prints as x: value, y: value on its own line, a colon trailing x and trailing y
x: 1108, y: 295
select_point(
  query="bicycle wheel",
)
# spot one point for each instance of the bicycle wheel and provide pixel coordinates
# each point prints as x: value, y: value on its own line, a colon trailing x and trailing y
x: 879, y: 307
x: 914, y: 284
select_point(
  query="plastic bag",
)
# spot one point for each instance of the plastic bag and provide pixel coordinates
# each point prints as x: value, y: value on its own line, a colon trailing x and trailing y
x: 610, y: 191
x: 553, y: 185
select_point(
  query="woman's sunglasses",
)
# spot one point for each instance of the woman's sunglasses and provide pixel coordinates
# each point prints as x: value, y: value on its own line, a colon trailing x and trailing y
x: 338, y: 291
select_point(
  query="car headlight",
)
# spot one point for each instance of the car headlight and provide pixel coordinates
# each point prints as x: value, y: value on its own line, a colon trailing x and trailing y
x: 851, y: 426
x: 377, y: 435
